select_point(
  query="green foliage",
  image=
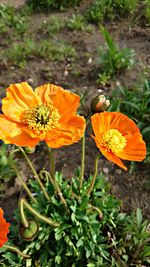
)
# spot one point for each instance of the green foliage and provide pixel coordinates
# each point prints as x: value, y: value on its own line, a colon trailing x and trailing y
x: 135, y: 104
x: 19, y: 53
x: 78, y: 22
x: 106, y: 9
x: 6, y: 171
x: 147, y: 12
x: 113, y: 60
x: 12, y: 21
x: 50, y: 4
x: 53, y: 25
x: 92, y: 232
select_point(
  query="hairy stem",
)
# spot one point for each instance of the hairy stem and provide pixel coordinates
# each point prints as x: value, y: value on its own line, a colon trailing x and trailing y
x: 35, y: 174
x: 23, y: 183
x: 25, y: 204
x: 16, y: 250
x: 94, y: 175
x: 82, y: 161
x: 52, y: 178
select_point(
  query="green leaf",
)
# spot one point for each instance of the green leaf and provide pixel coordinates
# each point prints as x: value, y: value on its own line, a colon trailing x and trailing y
x: 58, y: 259
x: 139, y: 217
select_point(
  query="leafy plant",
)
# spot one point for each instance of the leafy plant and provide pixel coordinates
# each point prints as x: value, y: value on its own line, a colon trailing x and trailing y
x: 88, y: 236
x: 113, y: 60
x: 78, y: 22
x: 53, y: 25
x: 105, y: 9
x: 49, y: 4
x: 147, y: 12
x: 12, y: 19
x: 6, y: 171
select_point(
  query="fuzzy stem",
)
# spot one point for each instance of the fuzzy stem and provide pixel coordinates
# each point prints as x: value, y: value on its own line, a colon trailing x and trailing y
x: 35, y: 174
x: 91, y: 207
x: 95, y: 174
x: 23, y: 183
x: 24, y: 203
x: 52, y: 161
x: 16, y: 250
x: 82, y: 161
x: 52, y: 178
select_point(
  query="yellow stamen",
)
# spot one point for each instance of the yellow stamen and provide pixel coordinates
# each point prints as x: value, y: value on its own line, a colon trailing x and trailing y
x: 42, y: 118
x: 114, y: 141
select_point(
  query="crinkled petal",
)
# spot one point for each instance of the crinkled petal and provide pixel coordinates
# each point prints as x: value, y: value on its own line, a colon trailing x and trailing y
x: 65, y: 101
x: 20, y: 97
x: 109, y: 155
x: 13, y: 133
x: 135, y: 149
x: 4, y: 229
x: 68, y: 133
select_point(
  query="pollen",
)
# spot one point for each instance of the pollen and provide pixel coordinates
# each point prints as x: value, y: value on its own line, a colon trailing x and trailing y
x: 114, y: 141
x: 41, y: 119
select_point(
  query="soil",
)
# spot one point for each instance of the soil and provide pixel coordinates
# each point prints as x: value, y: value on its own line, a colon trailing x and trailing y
x: 132, y: 188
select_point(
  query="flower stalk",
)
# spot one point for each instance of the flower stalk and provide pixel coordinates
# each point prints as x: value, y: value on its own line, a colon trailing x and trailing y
x: 23, y: 183
x: 35, y: 174
x: 25, y: 204
x: 95, y: 174
x: 16, y: 250
x: 82, y: 161
x: 53, y: 179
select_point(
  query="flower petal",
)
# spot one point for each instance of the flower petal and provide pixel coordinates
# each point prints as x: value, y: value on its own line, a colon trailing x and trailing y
x: 13, y: 133
x: 65, y: 101
x: 68, y: 133
x: 4, y: 229
x: 135, y: 148
x: 109, y: 155
x: 20, y: 97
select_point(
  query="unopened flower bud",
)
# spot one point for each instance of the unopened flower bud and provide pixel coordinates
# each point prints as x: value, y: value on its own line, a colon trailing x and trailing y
x: 99, y: 104
x: 29, y: 233
x: 29, y: 150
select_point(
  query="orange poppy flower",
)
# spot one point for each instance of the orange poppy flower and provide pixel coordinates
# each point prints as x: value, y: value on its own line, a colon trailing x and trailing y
x: 118, y: 137
x: 4, y: 229
x: 49, y: 113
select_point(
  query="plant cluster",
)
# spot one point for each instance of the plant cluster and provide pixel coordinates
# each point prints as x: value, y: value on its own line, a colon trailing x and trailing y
x: 105, y: 9
x: 52, y: 4
x: 70, y: 222
x: 113, y: 60
x: 12, y: 20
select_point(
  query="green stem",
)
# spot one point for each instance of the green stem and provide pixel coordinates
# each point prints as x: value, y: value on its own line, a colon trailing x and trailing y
x: 52, y: 161
x: 82, y: 161
x: 95, y: 174
x: 53, y: 180
x: 23, y: 183
x: 16, y: 250
x: 91, y: 207
x: 35, y: 174
x: 48, y: 176
x: 24, y: 203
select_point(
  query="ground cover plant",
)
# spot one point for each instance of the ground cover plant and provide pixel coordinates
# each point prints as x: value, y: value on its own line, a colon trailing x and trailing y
x: 70, y: 221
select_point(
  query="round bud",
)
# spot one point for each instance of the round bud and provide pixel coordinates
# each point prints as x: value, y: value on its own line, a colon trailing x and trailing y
x: 29, y: 233
x: 99, y: 104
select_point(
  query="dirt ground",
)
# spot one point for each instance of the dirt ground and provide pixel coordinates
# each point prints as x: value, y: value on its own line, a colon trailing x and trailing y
x: 133, y: 189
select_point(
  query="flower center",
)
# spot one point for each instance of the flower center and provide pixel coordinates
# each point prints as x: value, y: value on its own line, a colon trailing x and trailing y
x: 42, y: 118
x: 114, y: 141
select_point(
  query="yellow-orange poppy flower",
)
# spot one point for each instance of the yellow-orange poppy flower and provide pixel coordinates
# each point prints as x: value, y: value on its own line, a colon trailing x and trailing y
x: 118, y: 137
x: 4, y: 229
x: 49, y: 113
